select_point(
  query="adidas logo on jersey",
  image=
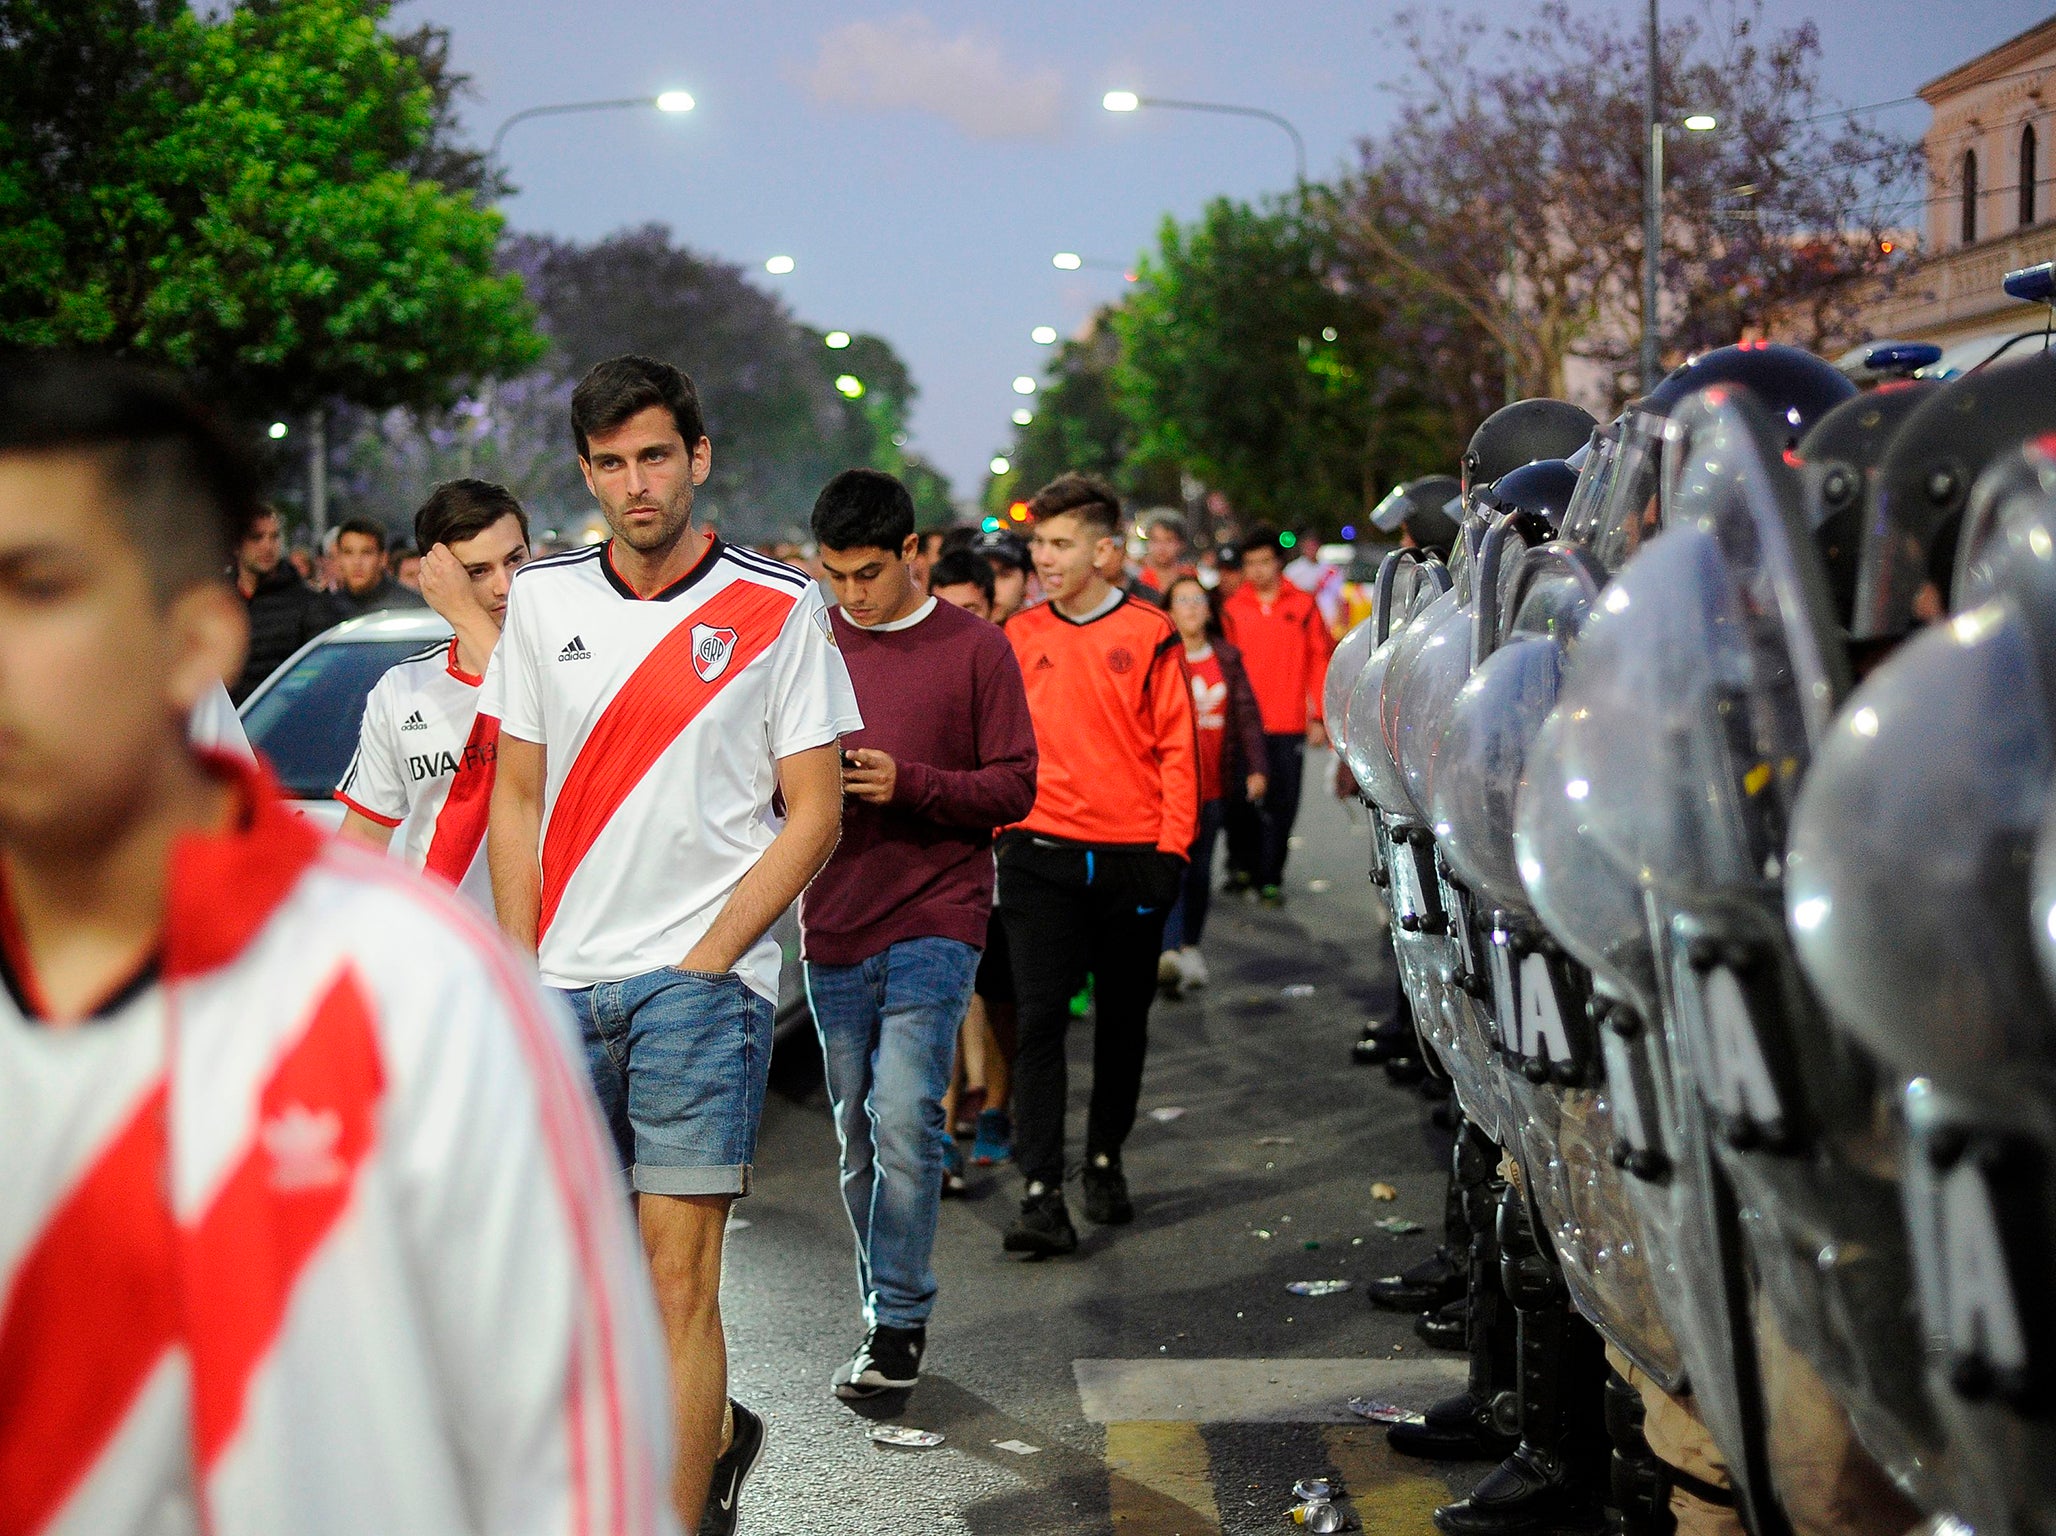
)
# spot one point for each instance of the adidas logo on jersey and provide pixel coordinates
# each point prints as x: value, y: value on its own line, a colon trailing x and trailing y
x: 574, y: 650
x: 303, y: 1144
x: 1044, y: 664
x: 414, y: 722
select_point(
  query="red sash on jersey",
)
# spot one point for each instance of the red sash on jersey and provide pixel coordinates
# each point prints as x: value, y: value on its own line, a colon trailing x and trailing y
x: 460, y: 825
x: 651, y: 710
x: 95, y: 1303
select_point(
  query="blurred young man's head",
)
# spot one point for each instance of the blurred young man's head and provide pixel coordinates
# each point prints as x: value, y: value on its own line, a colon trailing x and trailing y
x: 1077, y: 534
x: 261, y: 544
x: 121, y: 507
x: 1263, y: 559
x: 965, y: 580
x: 360, y: 556
x: 863, y: 522
x: 484, y: 527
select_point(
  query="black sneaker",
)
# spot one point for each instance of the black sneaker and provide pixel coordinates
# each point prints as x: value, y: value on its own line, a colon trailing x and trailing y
x: 1043, y: 1228
x: 889, y: 1360
x: 732, y: 1471
x: 1106, y: 1192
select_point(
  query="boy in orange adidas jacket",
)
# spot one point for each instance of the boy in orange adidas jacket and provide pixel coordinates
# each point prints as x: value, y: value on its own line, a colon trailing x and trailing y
x: 1086, y: 879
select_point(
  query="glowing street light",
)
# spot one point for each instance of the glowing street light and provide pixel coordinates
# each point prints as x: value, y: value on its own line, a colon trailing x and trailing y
x: 999, y: 464
x: 1043, y: 335
x: 278, y: 430
x: 1702, y: 122
x: 1024, y: 385
x: 1067, y: 261
x: 1128, y: 101
x: 849, y: 386
x: 836, y: 340
x: 667, y: 101
x: 1022, y: 416
x: 778, y: 266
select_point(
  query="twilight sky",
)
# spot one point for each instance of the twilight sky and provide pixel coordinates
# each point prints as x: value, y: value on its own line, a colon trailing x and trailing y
x: 921, y: 160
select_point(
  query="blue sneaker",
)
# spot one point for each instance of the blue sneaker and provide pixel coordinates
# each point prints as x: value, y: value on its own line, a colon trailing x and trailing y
x: 995, y: 1140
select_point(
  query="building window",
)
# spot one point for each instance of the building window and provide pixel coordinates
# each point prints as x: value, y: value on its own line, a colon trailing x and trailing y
x: 1969, y: 196
x: 2027, y: 175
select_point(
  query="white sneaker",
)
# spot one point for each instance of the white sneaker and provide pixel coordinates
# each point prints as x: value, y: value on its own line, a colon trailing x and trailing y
x: 1170, y: 972
x: 1193, y: 964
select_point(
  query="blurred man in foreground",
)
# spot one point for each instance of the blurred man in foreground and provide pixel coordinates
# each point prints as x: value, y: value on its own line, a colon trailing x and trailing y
x: 306, y: 1225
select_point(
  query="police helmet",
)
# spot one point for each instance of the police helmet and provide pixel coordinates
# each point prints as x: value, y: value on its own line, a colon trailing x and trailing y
x: 1520, y: 434
x: 1839, y: 459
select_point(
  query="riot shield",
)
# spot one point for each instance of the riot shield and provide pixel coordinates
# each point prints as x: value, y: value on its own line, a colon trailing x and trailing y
x: 1785, y: 1100
x: 1345, y: 664
x: 1558, y: 1105
x: 1914, y: 901
x: 1603, y: 797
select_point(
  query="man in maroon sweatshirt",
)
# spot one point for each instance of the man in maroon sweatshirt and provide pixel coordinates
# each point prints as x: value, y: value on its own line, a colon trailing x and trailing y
x: 894, y: 924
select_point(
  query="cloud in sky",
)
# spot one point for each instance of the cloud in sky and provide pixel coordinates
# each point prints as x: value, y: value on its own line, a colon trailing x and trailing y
x: 906, y: 64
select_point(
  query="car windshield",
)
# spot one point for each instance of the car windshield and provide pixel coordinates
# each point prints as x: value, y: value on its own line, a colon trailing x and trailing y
x: 306, y: 722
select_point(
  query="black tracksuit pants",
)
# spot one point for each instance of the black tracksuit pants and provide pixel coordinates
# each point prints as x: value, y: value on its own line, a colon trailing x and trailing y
x: 1069, y: 911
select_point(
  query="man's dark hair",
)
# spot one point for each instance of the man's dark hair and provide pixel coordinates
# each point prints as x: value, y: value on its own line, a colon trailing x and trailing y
x: 186, y: 491
x: 458, y: 510
x: 961, y: 568
x: 1263, y: 536
x: 1086, y: 497
x: 363, y: 527
x: 863, y: 509
x: 621, y: 387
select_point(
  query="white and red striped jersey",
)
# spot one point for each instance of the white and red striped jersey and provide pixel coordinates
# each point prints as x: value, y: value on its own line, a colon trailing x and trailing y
x: 424, y: 764
x: 310, y: 1228
x: 663, y: 720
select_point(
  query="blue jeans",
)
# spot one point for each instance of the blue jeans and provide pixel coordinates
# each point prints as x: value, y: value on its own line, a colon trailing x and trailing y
x: 888, y: 1030
x: 679, y: 1060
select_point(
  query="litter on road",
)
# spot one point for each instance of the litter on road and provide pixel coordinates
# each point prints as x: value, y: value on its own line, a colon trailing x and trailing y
x: 1317, y: 1287
x: 1319, y: 1515
x: 1384, y: 1192
x: 1378, y: 1411
x: 1017, y: 1447
x: 1274, y: 1141
x: 1398, y: 1226
x: 1299, y: 989
x: 1310, y: 1488
x: 906, y: 1439
x: 1164, y: 1114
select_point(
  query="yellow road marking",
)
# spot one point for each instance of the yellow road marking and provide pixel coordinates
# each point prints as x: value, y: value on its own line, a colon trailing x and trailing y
x: 1390, y: 1494
x: 1159, y: 1480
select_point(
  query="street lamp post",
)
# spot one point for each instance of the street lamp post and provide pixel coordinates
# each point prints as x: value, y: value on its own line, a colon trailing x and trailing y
x: 1128, y: 101
x: 667, y: 101
x: 1652, y: 207
x: 1654, y: 129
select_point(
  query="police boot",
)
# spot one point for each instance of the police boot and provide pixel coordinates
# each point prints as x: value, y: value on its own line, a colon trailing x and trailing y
x: 1556, y: 1475
x: 1438, y: 1279
x: 1477, y: 1423
x: 1445, y: 1327
x: 1640, y: 1483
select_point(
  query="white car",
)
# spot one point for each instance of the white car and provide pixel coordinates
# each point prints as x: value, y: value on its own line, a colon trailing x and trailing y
x: 304, y: 719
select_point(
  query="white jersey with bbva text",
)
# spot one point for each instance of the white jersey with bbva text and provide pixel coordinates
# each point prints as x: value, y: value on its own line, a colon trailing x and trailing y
x: 424, y: 765
x: 663, y: 720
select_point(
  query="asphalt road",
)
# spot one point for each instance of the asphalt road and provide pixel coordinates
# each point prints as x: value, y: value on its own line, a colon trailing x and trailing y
x: 1165, y: 1379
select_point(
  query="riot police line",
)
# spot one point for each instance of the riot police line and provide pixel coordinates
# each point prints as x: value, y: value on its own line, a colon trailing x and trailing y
x: 1708, y: 754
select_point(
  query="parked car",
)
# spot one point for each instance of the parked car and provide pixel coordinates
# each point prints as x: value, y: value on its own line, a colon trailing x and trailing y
x: 305, y: 717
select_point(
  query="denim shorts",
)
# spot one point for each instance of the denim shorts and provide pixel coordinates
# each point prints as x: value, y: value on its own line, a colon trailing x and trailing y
x: 679, y: 1060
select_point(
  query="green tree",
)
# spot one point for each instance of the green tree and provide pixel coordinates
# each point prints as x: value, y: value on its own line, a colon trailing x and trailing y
x: 1250, y: 359
x: 239, y: 196
x: 767, y: 385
